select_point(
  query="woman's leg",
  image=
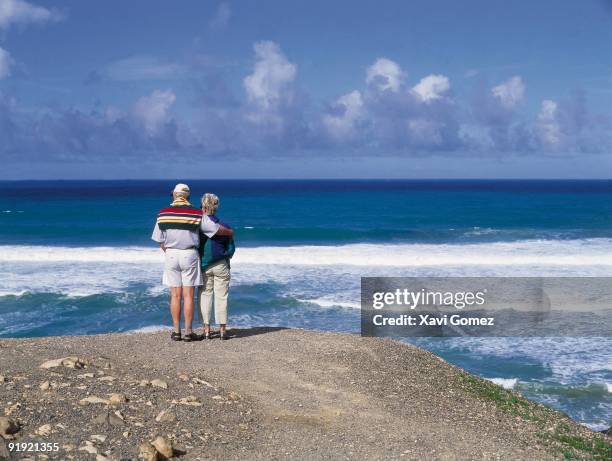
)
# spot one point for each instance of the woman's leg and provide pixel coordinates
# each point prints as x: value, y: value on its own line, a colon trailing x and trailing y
x: 221, y: 287
x: 200, y: 298
x: 206, y: 299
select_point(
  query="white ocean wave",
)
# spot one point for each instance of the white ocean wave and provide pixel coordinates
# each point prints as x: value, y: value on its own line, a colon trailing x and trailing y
x: 150, y: 329
x: 330, y: 302
x: 596, y: 426
x: 506, y: 383
x: 566, y: 253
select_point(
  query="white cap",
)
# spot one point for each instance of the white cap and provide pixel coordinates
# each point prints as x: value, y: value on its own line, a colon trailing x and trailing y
x: 181, y: 188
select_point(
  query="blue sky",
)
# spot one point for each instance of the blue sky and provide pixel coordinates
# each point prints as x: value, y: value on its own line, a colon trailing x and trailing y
x: 305, y: 89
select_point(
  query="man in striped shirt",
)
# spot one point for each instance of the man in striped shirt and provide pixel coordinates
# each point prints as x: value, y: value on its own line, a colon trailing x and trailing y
x: 177, y: 230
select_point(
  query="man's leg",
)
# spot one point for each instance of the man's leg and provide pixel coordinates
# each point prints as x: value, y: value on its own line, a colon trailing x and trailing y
x: 175, y: 307
x: 188, y: 307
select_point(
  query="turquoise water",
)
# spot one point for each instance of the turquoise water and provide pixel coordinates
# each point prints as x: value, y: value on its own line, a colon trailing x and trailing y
x: 76, y: 258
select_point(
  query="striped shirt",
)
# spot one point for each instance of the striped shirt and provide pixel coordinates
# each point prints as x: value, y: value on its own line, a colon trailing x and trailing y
x: 177, y: 228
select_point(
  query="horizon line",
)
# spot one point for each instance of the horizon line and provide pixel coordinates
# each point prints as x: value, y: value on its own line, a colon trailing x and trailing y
x: 303, y: 179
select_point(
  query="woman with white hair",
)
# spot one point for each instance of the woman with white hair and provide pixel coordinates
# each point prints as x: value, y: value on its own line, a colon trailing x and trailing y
x: 215, y: 254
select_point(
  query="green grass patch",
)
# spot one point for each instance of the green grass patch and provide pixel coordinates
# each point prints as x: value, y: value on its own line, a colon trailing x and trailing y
x: 565, y: 439
x: 502, y: 398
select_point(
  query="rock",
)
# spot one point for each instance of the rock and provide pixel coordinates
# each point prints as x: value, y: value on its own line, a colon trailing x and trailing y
x: 89, y: 449
x: 201, y: 381
x: 92, y: 399
x: 73, y: 362
x: 117, y: 399
x: 2, y: 379
x: 51, y: 364
x: 44, y: 386
x: 144, y: 383
x: 159, y: 383
x: 184, y: 378
x: 68, y: 447
x: 190, y: 400
x: 147, y: 452
x: 86, y: 375
x: 68, y: 362
x: 8, y: 427
x: 107, y: 378
x: 165, y: 416
x: 100, y: 457
x: 163, y: 446
x: 4, y: 452
x: 108, y: 419
x: 44, y: 431
x: 98, y: 438
x: 8, y: 411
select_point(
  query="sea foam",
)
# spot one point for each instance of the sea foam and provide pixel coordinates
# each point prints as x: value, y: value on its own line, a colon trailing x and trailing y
x: 585, y: 252
x: 506, y: 383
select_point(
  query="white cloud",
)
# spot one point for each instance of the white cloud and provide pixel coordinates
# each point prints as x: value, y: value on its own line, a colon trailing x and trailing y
x: 348, y: 109
x: 6, y: 62
x: 221, y: 17
x: 21, y: 12
x: 153, y: 111
x: 510, y: 93
x: 548, y: 125
x: 272, y: 76
x: 385, y: 74
x: 431, y: 87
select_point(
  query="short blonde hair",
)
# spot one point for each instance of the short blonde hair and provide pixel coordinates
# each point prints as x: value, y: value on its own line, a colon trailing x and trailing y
x: 210, y: 203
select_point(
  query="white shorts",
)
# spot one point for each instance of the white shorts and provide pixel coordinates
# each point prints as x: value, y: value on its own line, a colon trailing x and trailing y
x: 182, y: 268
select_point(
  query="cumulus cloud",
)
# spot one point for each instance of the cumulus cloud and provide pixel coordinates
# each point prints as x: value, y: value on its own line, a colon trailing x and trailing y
x: 548, y: 125
x: 346, y: 111
x: 496, y: 123
x: 385, y: 74
x: 270, y: 82
x: 432, y: 87
x: 510, y: 93
x: 275, y: 108
x: 16, y: 12
x: 221, y: 17
x: 567, y: 126
x: 271, y: 115
x: 6, y: 62
x: 154, y: 111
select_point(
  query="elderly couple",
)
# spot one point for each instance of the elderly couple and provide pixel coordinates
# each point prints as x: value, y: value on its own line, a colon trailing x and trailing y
x: 197, y: 247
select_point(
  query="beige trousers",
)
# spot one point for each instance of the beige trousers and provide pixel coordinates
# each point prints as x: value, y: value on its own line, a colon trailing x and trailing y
x: 215, y: 288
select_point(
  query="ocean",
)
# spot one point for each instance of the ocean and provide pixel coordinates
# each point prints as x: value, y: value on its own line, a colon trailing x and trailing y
x: 76, y: 258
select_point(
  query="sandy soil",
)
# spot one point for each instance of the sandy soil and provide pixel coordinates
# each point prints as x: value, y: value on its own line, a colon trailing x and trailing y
x: 266, y: 394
